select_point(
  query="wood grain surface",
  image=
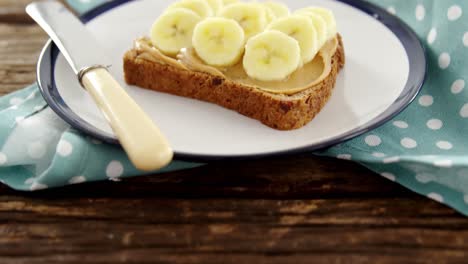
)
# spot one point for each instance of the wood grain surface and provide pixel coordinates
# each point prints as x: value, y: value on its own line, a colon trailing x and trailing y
x: 296, y: 209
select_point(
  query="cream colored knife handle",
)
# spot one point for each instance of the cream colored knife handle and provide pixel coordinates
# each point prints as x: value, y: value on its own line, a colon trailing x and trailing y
x: 143, y: 142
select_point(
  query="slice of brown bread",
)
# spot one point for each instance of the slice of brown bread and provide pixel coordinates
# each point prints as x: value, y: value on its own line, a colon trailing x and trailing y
x: 279, y: 111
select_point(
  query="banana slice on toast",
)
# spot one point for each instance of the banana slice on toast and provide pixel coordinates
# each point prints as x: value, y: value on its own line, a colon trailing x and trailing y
x: 271, y: 56
x: 219, y: 41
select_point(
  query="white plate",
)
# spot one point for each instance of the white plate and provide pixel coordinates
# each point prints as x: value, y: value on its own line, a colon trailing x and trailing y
x: 374, y: 85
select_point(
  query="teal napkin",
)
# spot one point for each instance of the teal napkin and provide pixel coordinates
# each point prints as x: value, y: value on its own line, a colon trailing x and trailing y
x: 424, y: 148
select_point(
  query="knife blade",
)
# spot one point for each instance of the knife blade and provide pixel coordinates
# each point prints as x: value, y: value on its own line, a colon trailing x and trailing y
x: 76, y: 43
x: 145, y: 145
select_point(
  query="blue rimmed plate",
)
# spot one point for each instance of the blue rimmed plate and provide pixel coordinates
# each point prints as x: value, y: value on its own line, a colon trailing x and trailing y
x: 385, y: 69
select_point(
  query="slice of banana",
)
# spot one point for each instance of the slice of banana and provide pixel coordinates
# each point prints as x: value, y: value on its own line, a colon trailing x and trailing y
x: 269, y: 14
x: 173, y: 30
x: 301, y: 29
x: 319, y: 23
x: 327, y: 15
x: 271, y: 56
x: 215, y: 5
x: 219, y: 41
x: 279, y: 9
x: 201, y: 7
x: 250, y: 16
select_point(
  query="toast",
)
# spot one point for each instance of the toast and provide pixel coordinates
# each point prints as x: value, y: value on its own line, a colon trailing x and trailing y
x: 279, y: 111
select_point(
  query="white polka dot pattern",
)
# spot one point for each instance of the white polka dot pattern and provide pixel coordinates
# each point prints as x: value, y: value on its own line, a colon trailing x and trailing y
x: 29, y: 181
x: 434, y: 124
x: 115, y: 169
x: 388, y: 175
x: 64, y: 148
x: 373, y: 140
x: 424, y: 177
x: 436, y: 197
x: 3, y: 158
x: 344, y: 156
x: 458, y: 86
x: 38, y: 186
x: 409, y: 143
x: 444, y: 60
x: 431, y: 37
x: 400, y: 124
x: 378, y: 154
x: 77, y: 180
x: 426, y: 100
x: 464, y: 111
x: 454, y: 12
x: 443, y: 163
x: 445, y: 145
x: 393, y: 159
x: 420, y: 12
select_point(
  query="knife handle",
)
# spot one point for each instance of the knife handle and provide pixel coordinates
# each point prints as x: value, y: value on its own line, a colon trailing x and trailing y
x: 143, y: 142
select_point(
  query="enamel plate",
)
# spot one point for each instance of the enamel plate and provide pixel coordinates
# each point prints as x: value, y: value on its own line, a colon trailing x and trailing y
x: 385, y: 69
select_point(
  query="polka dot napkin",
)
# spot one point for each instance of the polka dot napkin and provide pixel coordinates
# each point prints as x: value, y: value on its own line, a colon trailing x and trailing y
x: 425, y: 148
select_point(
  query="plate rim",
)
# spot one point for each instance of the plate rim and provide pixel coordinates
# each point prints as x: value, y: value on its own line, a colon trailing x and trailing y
x: 413, y: 46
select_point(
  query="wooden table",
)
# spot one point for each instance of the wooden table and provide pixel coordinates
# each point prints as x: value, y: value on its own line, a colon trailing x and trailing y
x: 299, y: 209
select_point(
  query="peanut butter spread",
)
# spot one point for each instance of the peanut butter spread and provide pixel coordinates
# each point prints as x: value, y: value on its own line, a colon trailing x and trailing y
x: 303, y: 78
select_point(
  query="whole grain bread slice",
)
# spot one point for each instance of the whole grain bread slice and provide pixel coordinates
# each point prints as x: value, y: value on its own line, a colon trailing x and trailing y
x: 279, y: 111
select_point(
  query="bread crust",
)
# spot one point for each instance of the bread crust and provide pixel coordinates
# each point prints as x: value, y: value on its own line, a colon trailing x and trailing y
x: 279, y: 111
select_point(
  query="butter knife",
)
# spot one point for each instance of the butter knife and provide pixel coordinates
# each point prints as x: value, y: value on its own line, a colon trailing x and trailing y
x: 145, y: 145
